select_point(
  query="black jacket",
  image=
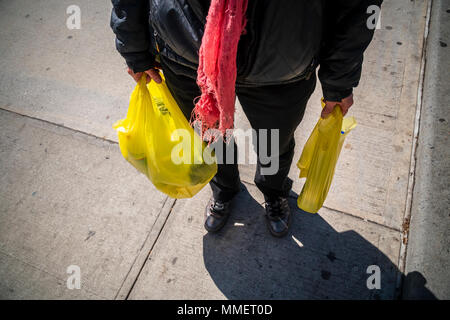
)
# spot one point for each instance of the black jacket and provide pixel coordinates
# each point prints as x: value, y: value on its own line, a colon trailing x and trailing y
x: 285, y: 39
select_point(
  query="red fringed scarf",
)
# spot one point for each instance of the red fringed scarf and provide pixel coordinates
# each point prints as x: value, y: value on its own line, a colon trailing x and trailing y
x: 217, y: 65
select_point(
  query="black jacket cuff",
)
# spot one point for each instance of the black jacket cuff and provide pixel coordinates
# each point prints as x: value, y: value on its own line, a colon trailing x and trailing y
x: 139, y: 62
x: 335, y: 94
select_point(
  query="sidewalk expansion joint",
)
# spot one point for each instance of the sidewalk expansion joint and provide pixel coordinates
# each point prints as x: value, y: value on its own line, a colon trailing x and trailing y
x: 59, y: 125
x: 153, y: 244
x: 343, y: 212
x: 365, y: 220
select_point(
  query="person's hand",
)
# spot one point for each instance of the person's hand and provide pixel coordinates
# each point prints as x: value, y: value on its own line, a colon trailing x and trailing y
x: 345, y: 104
x: 153, y: 74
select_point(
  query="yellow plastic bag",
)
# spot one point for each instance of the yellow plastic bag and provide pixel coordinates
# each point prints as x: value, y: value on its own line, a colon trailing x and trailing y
x: 319, y: 158
x: 158, y: 141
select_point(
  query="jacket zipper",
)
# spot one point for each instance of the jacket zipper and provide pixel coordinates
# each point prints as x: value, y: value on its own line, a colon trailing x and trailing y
x: 155, y: 34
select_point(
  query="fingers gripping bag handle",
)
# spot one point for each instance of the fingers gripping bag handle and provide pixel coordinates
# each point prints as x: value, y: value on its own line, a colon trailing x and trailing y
x: 319, y: 157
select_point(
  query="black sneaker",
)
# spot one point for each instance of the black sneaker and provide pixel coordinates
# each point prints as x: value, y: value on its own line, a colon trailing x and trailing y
x: 278, y: 216
x: 216, y: 214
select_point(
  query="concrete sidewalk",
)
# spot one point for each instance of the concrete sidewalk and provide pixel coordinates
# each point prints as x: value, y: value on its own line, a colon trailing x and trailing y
x: 428, y: 254
x: 67, y: 197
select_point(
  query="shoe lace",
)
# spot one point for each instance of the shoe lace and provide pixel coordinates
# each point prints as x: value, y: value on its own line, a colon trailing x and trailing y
x: 217, y: 207
x: 274, y: 208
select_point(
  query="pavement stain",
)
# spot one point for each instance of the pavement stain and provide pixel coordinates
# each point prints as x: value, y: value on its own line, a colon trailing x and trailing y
x: 325, y: 274
x: 331, y: 256
x: 90, y: 235
x: 258, y: 263
x: 405, y: 230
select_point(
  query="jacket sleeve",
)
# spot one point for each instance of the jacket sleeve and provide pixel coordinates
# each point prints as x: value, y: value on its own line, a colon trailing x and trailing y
x: 130, y: 23
x: 346, y: 36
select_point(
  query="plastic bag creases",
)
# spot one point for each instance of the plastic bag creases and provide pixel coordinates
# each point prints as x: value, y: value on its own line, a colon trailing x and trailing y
x: 158, y: 141
x: 319, y: 157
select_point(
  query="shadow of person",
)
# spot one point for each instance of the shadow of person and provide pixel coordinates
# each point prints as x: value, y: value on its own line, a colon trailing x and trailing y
x: 414, y: 287
x: 313, y: 261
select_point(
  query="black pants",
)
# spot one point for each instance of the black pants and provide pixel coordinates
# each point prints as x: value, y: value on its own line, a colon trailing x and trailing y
x: 267, y: 107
